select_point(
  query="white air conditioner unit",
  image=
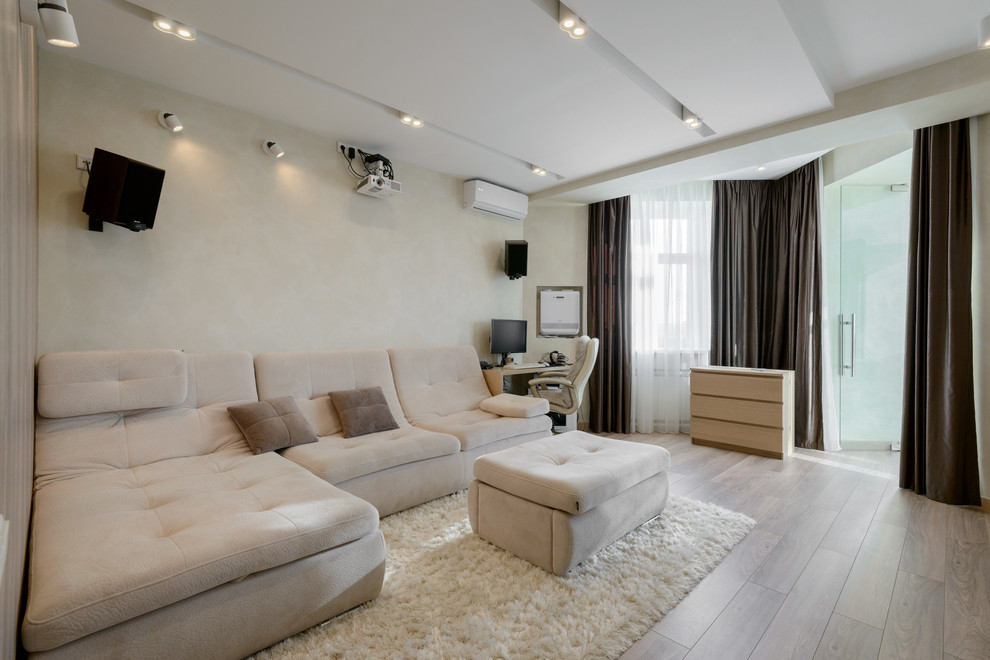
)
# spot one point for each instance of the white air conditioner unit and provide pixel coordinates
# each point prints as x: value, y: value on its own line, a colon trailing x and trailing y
x: 495, y: 200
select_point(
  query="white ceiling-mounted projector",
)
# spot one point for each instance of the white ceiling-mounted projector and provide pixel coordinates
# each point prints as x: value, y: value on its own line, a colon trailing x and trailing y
x: 375, y: 185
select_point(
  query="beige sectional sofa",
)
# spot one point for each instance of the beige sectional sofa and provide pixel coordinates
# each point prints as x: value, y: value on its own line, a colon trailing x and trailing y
x: 158, y: 532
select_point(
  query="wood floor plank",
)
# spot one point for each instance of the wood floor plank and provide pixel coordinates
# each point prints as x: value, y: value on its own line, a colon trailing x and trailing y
x: 838, y: 490
x: 798, y: 627
x: 782, y: 517
x: 924, y: 543
x: 914, y: 626
x: 796, y: 548
x: 850, y: 526
x: 967, y: 525
x: 868, y: 589
x: 686, y: 485
x: 687, y: 622
x: 740, y: 626
x: 967, y: 600
x: 654, y: 647
x: 848, y: 639
x: 896, y: 505
x: 745, y: 500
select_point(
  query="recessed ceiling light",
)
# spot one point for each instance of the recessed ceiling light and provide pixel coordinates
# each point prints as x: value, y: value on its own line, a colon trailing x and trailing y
x: 410, y: 120
x: 570, y: 22
x: 761, y: 168
x: 984, y: 41
x: 538, y: 170
x: 183, y: 32
x: 690, y: 119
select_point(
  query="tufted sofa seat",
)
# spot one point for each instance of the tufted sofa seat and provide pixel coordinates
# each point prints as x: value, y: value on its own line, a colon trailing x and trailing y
x: 393, y: 469
x: 154, y: 524
x: 399, y: 468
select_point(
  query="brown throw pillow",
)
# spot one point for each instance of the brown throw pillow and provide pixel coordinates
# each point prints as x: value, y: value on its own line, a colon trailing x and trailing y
x: 271, y: 425
x: 363, y: 411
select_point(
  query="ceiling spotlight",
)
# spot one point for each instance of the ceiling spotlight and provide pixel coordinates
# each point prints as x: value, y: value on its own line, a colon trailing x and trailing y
x: 169, y: 122
x: 408, y: 119
x: 271, y: 148
x: 183, y: 32
x: 761, y: 168
x: 53, y: 17
x: 985, y: 32
x: 538, y: 170
x: 570, y: 22
x: 690, y: 119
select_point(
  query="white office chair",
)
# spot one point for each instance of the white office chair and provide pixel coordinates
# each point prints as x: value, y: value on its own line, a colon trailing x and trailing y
x: 568, y: 399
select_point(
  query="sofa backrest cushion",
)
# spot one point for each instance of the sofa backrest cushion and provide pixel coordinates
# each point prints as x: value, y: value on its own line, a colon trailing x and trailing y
x: 123, y: 439
x: 438, y: 381
x: 88, y: 382
x: 310, y: 376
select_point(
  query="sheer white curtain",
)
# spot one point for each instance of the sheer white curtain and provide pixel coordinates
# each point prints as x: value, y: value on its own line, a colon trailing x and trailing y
x: 670, y: 236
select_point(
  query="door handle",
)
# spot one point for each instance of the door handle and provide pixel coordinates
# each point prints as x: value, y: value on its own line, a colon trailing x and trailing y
x: 852, y: 345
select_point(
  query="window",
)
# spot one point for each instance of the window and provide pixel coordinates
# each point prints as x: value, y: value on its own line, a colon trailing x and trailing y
x: 671, y: 307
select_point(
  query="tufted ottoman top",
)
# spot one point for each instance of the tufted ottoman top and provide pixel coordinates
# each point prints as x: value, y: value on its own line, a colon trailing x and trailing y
x: 573, y: 472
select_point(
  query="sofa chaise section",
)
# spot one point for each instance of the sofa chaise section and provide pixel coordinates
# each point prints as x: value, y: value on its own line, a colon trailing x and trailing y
x: 156, y: 530
x: 442, y: 389
x: 393, y: 469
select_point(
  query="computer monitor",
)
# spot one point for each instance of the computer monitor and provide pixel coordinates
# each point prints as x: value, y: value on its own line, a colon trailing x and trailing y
x: 508, y: 336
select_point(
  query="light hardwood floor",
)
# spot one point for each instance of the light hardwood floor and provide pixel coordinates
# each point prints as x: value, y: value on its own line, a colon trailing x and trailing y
x: 842, y: 563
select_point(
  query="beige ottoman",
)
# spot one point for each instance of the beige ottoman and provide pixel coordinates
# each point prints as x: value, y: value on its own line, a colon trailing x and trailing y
x: 557, y: 501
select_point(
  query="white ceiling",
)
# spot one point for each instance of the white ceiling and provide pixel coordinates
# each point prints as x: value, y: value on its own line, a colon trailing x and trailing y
x: 500, y: 86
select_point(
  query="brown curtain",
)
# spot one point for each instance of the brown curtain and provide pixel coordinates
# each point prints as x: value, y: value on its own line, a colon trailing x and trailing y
x: 609, y: 277
x: 766, y: 285
x: 938, y: 429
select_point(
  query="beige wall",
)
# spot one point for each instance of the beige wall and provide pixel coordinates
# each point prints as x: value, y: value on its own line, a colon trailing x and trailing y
x: 18, y: 303
x: 557, y: 235
x: 981, y: 301
x: 247, y: 251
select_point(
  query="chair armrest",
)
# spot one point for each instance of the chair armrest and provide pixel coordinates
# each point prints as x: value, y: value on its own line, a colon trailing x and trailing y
x: 551, y: 381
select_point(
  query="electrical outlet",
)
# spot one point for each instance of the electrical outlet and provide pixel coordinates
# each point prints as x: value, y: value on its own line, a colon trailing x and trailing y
x: 349, y: 150
x: 83, y: 162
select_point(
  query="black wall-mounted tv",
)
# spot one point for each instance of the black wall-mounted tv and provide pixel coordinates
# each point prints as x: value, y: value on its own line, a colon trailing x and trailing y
x: 122, y: 191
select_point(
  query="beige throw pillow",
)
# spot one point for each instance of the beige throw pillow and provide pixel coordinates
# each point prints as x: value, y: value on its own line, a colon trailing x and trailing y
x: 271, y: 425
x: 363, y: 411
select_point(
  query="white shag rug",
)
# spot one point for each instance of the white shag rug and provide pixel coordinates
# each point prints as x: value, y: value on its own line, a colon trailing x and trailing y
x: 451, y: 594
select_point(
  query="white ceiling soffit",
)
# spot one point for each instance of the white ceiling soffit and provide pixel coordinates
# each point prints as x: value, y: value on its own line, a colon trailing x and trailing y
x: 500, y: 86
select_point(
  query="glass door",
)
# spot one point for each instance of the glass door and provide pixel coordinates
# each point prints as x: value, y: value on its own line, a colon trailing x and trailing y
x: 869, y: 320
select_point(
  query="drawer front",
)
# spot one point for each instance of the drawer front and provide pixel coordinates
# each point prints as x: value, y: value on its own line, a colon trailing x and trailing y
x: 743, y: 411
x: 741, y: 435
x: 759, y: 388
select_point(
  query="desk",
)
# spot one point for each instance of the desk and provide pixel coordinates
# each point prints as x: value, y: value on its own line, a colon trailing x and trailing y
x: 495, y: 376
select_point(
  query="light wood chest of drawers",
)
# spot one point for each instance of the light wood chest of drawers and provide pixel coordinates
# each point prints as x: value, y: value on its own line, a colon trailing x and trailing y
x: 748, y: 410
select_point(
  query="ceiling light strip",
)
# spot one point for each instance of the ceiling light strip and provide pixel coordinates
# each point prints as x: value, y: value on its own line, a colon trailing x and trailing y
x: 626, y: 67
x: 234, y: 49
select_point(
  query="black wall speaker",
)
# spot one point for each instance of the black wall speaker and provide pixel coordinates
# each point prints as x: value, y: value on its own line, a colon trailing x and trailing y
x: 515, y: 259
